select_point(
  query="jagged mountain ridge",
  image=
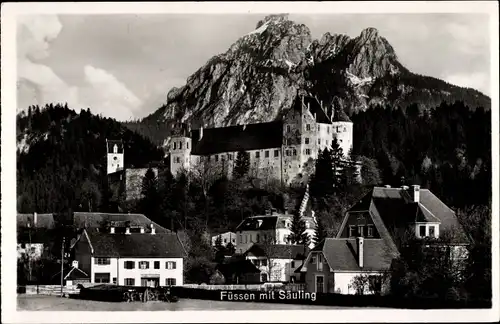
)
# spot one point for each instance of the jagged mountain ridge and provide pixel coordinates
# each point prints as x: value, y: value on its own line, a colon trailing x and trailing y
x: 259, y: 76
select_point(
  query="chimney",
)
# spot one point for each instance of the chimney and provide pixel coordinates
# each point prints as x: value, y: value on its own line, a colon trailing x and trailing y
x: 387, y: 186
x: 74, y: 264
x: 360, y: 241
x: 416, y: 193
x: 127, y: 230
x: 142, y: 230
x: 153, y: 229
x: 112, y: 230
x: 35, y: 219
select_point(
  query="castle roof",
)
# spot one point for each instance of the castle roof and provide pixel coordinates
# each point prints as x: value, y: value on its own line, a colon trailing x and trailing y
x: 339, y: 115
x: 237, y: 138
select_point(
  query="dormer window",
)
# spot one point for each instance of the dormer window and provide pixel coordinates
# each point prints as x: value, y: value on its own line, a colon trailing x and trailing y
x: 370, y: 231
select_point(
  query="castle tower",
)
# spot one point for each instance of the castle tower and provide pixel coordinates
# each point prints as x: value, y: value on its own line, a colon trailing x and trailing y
x: 115, y: 156
x: 180, y: 148
x: 342, y: 129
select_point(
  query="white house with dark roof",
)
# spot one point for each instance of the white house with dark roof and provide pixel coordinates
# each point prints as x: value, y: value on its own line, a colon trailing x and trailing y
x: 226, y: 238
x: 34, y: 232
x: 371, y: 235
x: 131, y: 259
x: 268, y: 228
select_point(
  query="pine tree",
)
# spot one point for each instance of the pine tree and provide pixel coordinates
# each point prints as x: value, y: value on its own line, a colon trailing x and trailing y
x: 150, y: 200
x: 220, y: 251
x: 241, y: 165
x: 319, y: 232
x: 298, y: 234
x: 322, y: 183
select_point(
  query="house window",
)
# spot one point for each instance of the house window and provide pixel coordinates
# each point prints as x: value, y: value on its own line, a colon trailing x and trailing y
x: 175, y: 145
x: 276, y: 153
x: 421, y: 230
x: 129, y: 265
x: 257, y: 155
x: 352, y: 231
x: 256, y: 262
x: 263, y: 277
x: 308, y: 127
x: 129, y: 282
x: 319, y: 140
x: 294, y: 152
x: 345, y: 129
x: 170, y: 281
x: 432, y: 231
x: 103, y: 261
x: 308, y: 151
x: 292, y: 264
x: 102, y: 277
x: 257, y: 238
x: 263, y: 263
x: 287, y: 128
x: 320, y: 263
x: 266, y: 154
x: 180, y: 145
x: 157, y: 264
x: 370, y: 231
x: 170, y: 265
x: 361, y: 230
x: 306, y: 140
x: 313, y: 259
x: 143, y: 264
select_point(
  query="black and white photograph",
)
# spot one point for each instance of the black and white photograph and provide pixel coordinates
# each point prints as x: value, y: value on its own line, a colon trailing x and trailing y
x: 251, y: 162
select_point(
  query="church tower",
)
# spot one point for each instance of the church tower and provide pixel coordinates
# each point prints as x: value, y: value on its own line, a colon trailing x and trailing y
x: 180, y: 147
x: 115, y: 155
x: 342, y: 130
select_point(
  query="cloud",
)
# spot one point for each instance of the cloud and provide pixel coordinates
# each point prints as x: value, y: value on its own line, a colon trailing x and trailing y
x: 106, y: 95
x: 477, y: 80
x: 34, y: 36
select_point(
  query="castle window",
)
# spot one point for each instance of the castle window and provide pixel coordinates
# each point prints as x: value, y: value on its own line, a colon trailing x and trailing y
x: 223, y: 158
x: 319, y: 140
x: 175, y: 145
x: 266, y: 154
x: 307, y: 140
x: 308, y: 151
x: 276, y: 153
x: 286, y: 141
x: 328, y: 129
x: 308, y: 127
x: 187, y: 145
x: 180, y: 145
x: 319, y: 128
x: 287, y: 128
x: 338, y: 129
x: 294, y: 152
x: 230, y: 157
x: 216, y: 158
x: 257, y: 155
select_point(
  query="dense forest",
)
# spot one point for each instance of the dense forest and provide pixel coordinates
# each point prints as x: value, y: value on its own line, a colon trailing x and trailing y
x: 61, y: 158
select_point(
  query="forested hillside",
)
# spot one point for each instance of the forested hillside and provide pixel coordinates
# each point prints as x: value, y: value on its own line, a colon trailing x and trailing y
x: 62, y: 158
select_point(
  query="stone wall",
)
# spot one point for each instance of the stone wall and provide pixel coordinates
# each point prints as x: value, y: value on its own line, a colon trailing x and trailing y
x: 133, y: 182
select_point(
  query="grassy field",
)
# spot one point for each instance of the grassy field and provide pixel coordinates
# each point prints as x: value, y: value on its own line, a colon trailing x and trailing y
x: 53, y: 303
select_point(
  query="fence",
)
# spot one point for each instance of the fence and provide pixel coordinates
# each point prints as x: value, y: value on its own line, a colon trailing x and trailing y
x: 49, y: 289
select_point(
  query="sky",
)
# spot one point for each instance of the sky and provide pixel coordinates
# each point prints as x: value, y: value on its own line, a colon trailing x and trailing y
x: 123, y: 66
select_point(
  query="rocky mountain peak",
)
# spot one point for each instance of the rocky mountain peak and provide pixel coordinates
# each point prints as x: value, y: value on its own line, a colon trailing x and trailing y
x: 369, y: 34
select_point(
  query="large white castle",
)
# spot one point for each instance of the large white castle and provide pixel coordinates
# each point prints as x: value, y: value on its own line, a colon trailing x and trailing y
x: 280, y: 149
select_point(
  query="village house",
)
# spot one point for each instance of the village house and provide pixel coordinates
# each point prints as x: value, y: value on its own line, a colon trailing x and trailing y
x: 279, y: 149
x: 372, y: 234
x: 271, y: 228
x: 120, y: 256
x: 226, y: 238
x: 277, y: 262
x: 33, y: 234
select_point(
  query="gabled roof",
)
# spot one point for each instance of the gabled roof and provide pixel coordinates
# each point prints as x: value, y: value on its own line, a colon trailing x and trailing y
x: 72, y: 273
x: 339, y: 115
x: 96, y: 220
x: 236, y: 138
x: 341, y: 254
x: 278, y: 251
x: 42, y: 221
x: 111, y: 143
x: 160, y: 245
x: 392, y: 210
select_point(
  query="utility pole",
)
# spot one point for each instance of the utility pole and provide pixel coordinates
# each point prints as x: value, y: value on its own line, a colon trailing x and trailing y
x: 62, y: 265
